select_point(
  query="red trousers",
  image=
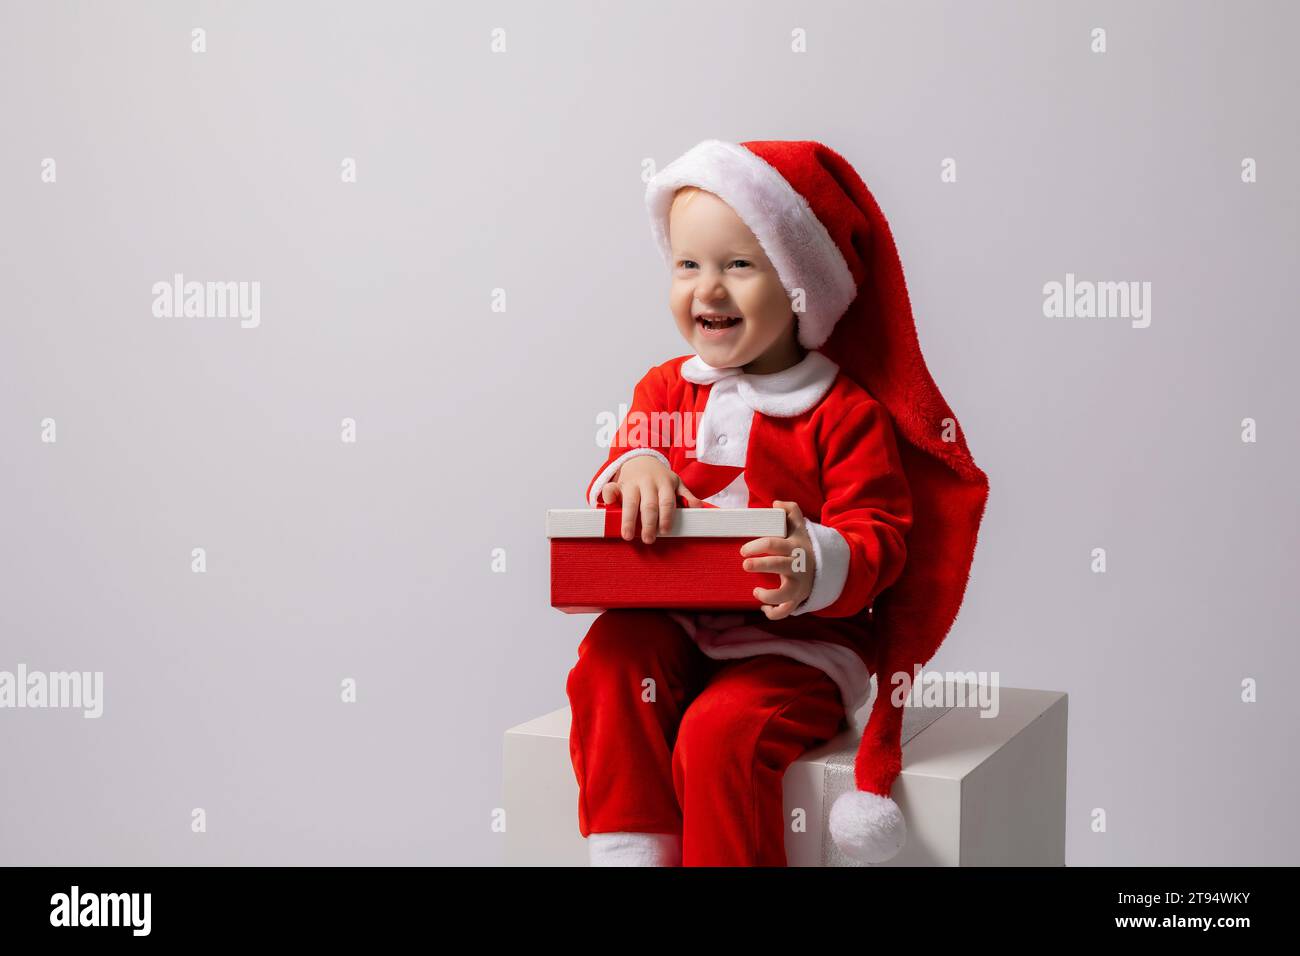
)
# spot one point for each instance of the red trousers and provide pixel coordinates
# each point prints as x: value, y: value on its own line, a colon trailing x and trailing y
x: 668, y: 740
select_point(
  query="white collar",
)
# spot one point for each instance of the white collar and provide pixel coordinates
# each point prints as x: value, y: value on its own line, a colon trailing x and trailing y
x: 782, y: 394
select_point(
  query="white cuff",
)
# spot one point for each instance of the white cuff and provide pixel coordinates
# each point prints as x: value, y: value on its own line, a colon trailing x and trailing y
x: 634, y: 849
x: 593, y: 498
x: 830, y: 569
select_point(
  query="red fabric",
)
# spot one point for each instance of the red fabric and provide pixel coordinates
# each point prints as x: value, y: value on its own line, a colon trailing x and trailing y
x: 707, y: 756
x: 838, y: 461
x: 689, y: 573
x: 875, y: 344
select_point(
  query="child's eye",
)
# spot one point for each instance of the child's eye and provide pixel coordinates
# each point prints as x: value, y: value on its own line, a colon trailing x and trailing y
x: 686, y: 263
x: 743, y: 262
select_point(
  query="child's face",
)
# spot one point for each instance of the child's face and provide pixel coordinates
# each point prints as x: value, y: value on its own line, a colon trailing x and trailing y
x: 720, y: 267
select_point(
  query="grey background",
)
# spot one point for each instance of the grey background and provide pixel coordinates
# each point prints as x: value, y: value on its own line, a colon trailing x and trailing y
x: 522, y: 171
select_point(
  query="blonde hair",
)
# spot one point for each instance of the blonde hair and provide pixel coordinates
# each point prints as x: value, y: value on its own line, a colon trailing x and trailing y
x: 683, y: 195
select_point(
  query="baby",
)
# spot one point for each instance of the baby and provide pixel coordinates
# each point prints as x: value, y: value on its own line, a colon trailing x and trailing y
x: 730, y: 306
x: 684, y: 724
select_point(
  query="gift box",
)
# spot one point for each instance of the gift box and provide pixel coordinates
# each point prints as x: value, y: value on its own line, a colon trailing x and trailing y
x: 697, y: 565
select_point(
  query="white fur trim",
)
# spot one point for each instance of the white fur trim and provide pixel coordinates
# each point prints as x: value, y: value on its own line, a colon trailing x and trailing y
x: 725, y: 637
x: 830, y: 567
x: 802, y: 251
x: 867, y: 827
x: 607, y: 474
x: 634, y: 849
x: 784, y: 394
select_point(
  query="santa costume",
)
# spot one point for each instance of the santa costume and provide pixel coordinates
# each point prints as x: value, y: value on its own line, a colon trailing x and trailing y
x: 858, y: 435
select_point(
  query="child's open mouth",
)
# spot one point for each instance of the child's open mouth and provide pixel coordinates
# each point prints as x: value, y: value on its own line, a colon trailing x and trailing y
x: 717, y: 324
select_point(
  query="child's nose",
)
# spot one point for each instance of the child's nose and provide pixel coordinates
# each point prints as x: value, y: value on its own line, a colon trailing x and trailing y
x: 711, y: 289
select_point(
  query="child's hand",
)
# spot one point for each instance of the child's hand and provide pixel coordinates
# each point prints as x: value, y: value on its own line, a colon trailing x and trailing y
x: 791, y: 557
x: 645, y: 482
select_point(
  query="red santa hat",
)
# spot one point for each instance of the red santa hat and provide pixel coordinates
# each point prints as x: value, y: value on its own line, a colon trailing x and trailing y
x: 826, y: 236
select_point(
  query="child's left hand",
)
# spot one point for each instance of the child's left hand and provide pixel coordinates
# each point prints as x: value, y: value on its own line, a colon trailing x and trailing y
x: 791, y: 557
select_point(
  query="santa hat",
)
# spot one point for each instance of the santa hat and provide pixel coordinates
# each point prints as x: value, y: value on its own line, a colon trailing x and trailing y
x: 826, y: 236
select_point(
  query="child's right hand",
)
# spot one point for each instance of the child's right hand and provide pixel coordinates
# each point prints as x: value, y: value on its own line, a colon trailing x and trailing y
x: 645, y: 483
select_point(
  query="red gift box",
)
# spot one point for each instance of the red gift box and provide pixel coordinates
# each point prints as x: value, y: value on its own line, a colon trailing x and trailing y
x: 696, y: 565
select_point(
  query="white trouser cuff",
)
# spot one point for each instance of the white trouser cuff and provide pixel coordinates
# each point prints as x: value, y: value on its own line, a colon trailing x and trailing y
x: 635, y: 849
